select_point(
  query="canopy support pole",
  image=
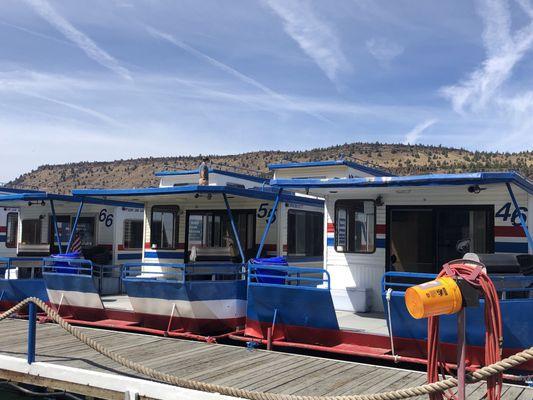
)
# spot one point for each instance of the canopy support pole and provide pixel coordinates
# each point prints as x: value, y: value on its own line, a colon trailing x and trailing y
x: 56, y: 229
x: 234, y: 228
x: 73, y: 232
x: 269, y: 222
x: 522, y: 220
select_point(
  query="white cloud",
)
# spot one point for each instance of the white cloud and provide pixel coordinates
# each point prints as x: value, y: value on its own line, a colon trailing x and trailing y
x: 414, y: 134
x: 226, y: 68
x: 384, y: 50
x: 504, y: 50
x: 316, y: 38
x: 85, y: 43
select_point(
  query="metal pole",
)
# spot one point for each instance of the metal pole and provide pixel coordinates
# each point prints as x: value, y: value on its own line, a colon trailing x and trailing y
x: 32, y: 317
x: 234, y: 228
x: 74, y: 227
x: 56, y: 229
x: 461, y: 354
x: 269, y: 222
x: 522, y: 220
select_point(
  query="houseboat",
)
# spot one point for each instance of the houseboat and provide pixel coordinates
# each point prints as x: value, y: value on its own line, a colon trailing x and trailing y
x: 43, y: 225
x: 385, y: 233
x: 197, y: 240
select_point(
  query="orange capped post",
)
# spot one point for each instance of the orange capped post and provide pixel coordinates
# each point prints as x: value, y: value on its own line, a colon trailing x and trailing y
x: 438, y: 297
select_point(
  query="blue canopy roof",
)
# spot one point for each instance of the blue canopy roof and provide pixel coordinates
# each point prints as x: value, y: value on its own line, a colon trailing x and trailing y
x: 351, y: 164
x: 4, y: 189
x: 42, y: 196
x: 265, y: 193
x: 413, y: 180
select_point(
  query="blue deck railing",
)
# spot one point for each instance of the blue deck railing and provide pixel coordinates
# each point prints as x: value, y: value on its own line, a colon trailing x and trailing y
x: 182, y: 272
x: 74, y: 266
x: 505, y: 284
x: 277, y: 275
x: 30, y: 265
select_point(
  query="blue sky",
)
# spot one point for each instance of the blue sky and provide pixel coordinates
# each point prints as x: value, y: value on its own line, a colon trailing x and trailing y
x: 103, y: 80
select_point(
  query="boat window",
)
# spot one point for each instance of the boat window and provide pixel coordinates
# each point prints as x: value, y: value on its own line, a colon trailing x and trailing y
x: 305, y: 233
x: 133, y: 233
x: 164, y: 227
x: 85, y: 230
x: 422, y: 239
x: 31, y: 231
x: 355, y: 226
x: 212, y: 230
x: 12, y: 229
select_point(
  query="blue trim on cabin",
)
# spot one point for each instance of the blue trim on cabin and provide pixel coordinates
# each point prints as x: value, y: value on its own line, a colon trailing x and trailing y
x: 213, y: 170
x: 129, y: 256
x: 510, y: 247
x: 164, y: 254
x: 328, y: 163
x: 3, y: 238
x: 14, y: 190
x: 413, y: 180
x: 42, y: 196
x: 255, y: 193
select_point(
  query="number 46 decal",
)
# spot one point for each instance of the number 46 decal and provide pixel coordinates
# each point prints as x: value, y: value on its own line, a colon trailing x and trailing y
x: 505, y: 213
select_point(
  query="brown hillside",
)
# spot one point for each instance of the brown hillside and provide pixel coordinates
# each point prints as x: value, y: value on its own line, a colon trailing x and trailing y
x: 399, y: 159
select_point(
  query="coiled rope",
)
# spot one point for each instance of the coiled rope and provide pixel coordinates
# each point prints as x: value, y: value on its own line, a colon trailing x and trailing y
x: 429, y: 388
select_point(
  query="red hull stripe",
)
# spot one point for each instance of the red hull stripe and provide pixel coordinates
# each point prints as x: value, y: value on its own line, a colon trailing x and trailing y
x: 509, y: 231
x: 152, y: 321
x: 3, y: 229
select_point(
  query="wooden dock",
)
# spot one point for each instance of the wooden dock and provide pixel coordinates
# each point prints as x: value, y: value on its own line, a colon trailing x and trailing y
x: 258, y: 370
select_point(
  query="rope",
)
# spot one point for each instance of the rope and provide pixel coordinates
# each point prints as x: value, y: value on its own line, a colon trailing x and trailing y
x: 481, y: 374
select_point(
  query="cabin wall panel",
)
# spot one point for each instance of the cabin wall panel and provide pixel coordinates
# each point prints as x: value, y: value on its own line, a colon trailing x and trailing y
x: 366, y: 270
x: 216, y: 203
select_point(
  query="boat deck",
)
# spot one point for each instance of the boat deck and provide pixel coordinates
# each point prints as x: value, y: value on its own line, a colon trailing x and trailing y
x: 258, y: 370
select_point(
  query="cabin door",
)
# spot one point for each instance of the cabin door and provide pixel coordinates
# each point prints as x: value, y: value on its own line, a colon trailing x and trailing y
x: 422, y: 239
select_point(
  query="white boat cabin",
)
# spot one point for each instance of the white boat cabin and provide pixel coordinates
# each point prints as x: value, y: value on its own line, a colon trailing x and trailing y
x: 414, y: 224
x: 110, y: 232
x: 186, y: 223
x: 331, y: 169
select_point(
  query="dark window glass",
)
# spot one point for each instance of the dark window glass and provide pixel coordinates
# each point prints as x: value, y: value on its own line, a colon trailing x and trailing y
x: 213, y: 229
x: 305, y: 233
x: 355, y: 226
x: 12, y: 229
x: 85, y: 230
x: 133, y: 234
x: 164, y: 227
x: 31, y: 231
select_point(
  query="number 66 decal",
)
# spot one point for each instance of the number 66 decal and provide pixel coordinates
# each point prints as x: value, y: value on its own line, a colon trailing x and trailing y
x: 105, y: 217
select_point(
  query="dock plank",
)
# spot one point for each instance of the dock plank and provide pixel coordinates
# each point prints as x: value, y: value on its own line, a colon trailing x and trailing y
x: 222, y: 364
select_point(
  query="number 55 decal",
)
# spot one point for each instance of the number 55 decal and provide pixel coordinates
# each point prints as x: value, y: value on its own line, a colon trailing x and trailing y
x: 264, y: 212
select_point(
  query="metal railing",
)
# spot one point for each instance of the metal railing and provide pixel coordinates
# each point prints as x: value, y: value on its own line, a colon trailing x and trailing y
x: 20, y: 267
x: 72, y: 266
x: 508, y: 286
x: 182, y: 272
x: 278, y: 275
